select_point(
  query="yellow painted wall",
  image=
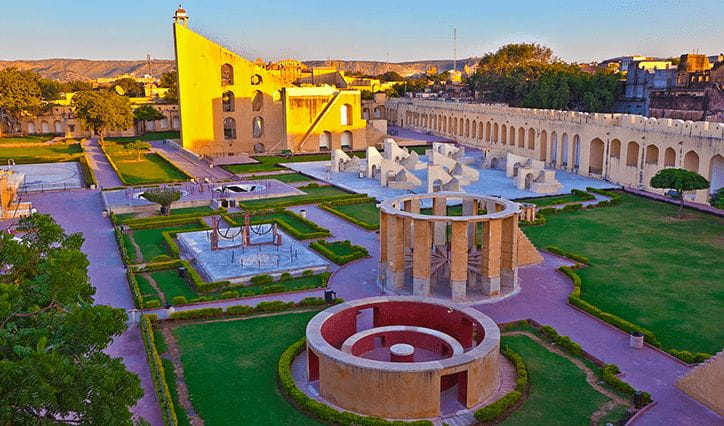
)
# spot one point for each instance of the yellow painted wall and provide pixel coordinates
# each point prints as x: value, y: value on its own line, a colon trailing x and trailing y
x: 290, y: 114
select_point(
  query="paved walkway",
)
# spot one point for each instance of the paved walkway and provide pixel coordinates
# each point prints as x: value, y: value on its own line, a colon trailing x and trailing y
x: 106, y: 176
x: 658, y: 197
x: 80, y: 211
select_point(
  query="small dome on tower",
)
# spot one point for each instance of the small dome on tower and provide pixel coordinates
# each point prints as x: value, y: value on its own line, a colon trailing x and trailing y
x: 181, y: 15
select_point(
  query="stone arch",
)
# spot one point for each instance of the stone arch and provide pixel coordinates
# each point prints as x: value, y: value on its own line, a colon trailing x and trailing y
x: 259, y: 148
x: 652, y: 154
x: 450, y: 125
x: 576, y: 151
x: 257, y: 102
x: 58, y: 126
x: 716, y: 172
x: 615, y: 148
x: 44, y: 127
x: 227, y: 75
x: 365, y: 113
x: 461, y: 129
x: 521, y: 137
x: 670, y: 157
x: 257, y: 127
x: 632, y: 154
x: 378, y: 112
x: 175, y: 122
x: 346, y: 139
x: 564, y: 149
x: 531, y: 139
x: 495, y: 132
x: 227, y: 101
x: 543, y: 146
x: 481, y: 131
x: 467, y: 128
x: 31, y: 127
x: 595, y: 157
x: 691, y: 161
x: 325, y: 141
x: 487, y: 131
x: 511, y: 136
x: 504, y: 134
x: 554, y: 147
x: 345, y: 115
x: 229, y: 128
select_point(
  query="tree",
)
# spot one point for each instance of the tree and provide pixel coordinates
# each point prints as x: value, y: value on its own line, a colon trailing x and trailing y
x: 391, y: 76
x: 20, y: 96
x: 679, y: 180
x: 76, y: 86
x: 163, y: 196
x: 146, y: 113
x: 170, y: 80
x: 52, y: 365
x: 139, y: 146
x: 50, y: 89
x: 102, y: 110
x: 130, y: 87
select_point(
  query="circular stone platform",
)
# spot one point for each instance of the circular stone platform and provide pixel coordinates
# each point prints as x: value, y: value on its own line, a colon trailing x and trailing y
x: 416, y: 356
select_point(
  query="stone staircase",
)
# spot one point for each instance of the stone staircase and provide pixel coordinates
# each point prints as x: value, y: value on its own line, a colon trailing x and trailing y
x: 705, y: 383
x: 527, y: 253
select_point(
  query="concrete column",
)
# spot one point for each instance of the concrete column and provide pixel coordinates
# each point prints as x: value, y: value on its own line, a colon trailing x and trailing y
x: 421, y: 258
x: 459, y: 261
x: 470, y: 208
x: 490, y: 257
x: 395, y: 275
x: 439, y: 208
x: 509, y: 253
x: 382, y: 265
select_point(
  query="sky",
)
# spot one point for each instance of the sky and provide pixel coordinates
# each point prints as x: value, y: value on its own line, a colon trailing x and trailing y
x: 390, y: 30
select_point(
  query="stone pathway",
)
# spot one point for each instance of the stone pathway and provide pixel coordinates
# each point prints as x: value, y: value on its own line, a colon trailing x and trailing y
x: 105, y: 175
x: 192, y: 165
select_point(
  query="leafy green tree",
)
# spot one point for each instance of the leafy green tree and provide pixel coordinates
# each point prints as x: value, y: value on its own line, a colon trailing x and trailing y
x: 679, y: 180
x: 76, y: 86
x: 138, y: 146
x: 130, y: 87
x: 50, y: 89
x: 20, y: 96
x: 102, y: 110
x: 170, y: 81
x: 163, y: 196
x: 391, y: 76
x: 52, y: 365
x: 146, y: 113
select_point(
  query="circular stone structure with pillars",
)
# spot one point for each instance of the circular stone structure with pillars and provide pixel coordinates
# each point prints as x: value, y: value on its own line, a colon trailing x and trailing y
x: 468, y: 257
x: 403, y: 357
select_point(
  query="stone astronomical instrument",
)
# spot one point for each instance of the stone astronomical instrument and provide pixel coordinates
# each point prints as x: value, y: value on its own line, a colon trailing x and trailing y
x: 402, y: 357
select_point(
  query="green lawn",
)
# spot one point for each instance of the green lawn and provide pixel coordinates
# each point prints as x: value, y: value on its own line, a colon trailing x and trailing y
x: 51, y: 153
x: 151, y: 241
x: 550, y: 201
x: 147, y: 292
x: 269, y: 163
x: 172, y: 285
x: 285, y: 177
x: 230, y: 369
x: 559, y: 393
x: 151, y: 168
x: 149, y: 136
x: 364, y: 212
x: 312, y: 194
x: 27, y: 139
x: 649, y: 268
x: 201, y: 211
x: 170, y: 375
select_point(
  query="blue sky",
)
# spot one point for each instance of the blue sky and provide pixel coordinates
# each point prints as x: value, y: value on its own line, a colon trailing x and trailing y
x: 392, y: 30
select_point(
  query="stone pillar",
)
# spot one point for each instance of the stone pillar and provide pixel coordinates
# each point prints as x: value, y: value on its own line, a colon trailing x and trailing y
x: 421, y: 258
x: 509, y: 253
x: 382, y: 265
x: 490, y: 257
x: 470, y: 208
x: 459, y: 261
x: 439, y: 208
x: 395, y: 276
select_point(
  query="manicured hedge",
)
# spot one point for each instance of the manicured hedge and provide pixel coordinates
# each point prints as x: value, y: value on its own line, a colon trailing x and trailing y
x: 87, y: 172
x: 330, y: 207
x: 327, y: 250
x: 257, y: 218
x: 562, y: 341
x: 608, y: 375
x: 163, y: 219
x: 568, y: 254
x: 163, y: 394
x: 163, y: 222
x: 121, y: 246
x: 318, y: 409
x: 262, y: 307
x: 497, y: 409
x: 307, y: 200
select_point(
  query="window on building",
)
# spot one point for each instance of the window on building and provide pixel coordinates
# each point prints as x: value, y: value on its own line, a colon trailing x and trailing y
x: 345, y: 115
x: 346, y: 140
x: 227, y: 75
x: 229, y: 128
x: 325, y: 141
x: 227, y: 101
x: 257, y: 102
x: 257, y: 127
x: 255, y: 80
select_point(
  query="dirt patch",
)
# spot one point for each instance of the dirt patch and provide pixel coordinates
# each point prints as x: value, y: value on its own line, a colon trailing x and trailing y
x: 153, y: 284
x: 173, y: 355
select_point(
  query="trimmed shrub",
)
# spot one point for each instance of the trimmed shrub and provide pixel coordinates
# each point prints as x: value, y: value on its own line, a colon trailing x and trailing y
x: 285, y: 276
x: 197, y: 313
x: 496, y: 410
x: 307, y: 273
x: 163, y: 394
x: 608, y: 375
x: 330, y: 207
x: 153, y: 303
x: 326, y: 249
x: 179, y: 300
x: 273, y: 306
x: 568, y: 254
x: 262, y: 279
x: 563, y: 341
x: 239, y: 310
x: 312, y: 301
x: 274, y: 288
x: 231, y: 294
x: 690, y: 357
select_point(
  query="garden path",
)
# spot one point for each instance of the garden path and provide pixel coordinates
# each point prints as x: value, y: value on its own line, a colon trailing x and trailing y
x: 105, y: 175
